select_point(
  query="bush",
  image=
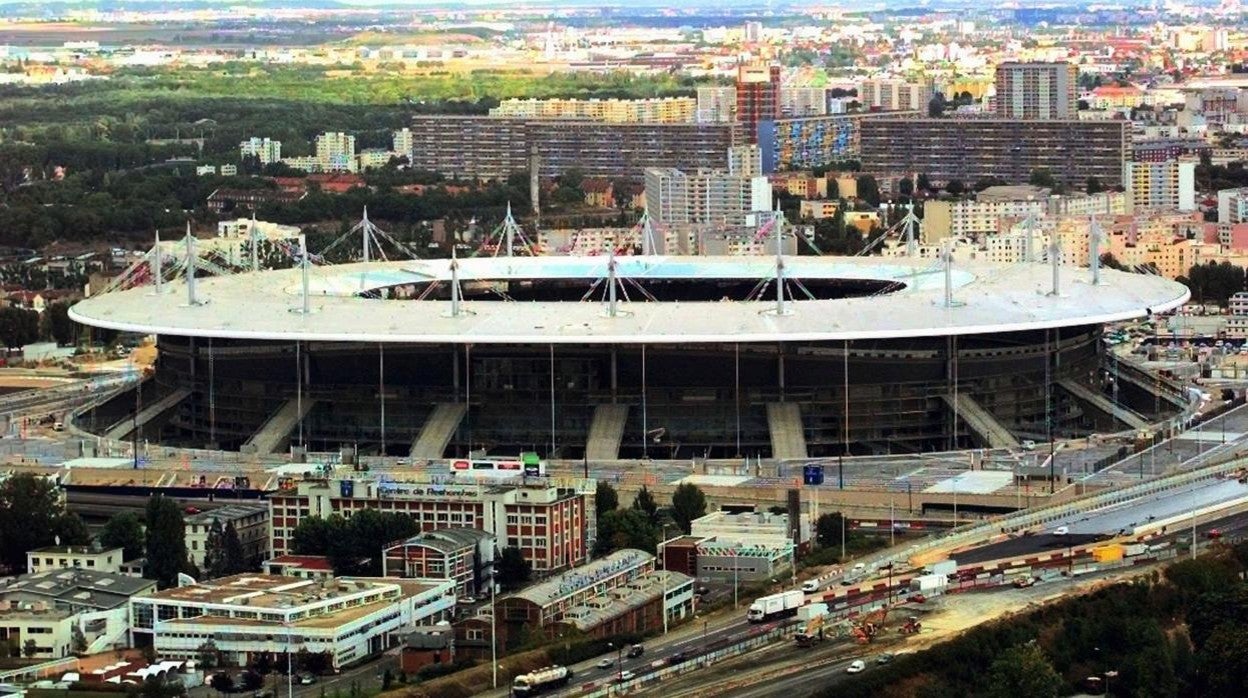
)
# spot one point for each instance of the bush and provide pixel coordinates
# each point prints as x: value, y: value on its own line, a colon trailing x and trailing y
x: 433, y: 671
x: 579, y: 651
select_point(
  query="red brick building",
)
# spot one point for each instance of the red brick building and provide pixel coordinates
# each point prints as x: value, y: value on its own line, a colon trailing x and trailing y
x: 548, y: 524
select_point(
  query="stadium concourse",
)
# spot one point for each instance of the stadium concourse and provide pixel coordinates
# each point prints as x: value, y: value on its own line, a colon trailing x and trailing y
x: 608, y: 359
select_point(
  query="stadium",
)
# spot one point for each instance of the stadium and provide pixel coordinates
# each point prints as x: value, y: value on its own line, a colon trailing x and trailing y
x: 609, y: 357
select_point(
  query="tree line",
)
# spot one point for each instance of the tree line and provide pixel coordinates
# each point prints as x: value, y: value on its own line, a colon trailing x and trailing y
x: 643, y: 525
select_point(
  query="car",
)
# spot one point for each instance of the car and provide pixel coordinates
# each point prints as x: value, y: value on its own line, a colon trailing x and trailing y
x: 917, y: 598
x: 1029, y: 445
x: 192, y: 510
x: 884, y: 658
x: 678, y: 657
x: 307, y: 680
x: 636, y: 651
x: 625, y: 675
x: 855, y: 667
x: 1213, y: 534
x: 1061, y: 530
x: 606, y: 663
x: 58, y: 426
x: 1024, y: 582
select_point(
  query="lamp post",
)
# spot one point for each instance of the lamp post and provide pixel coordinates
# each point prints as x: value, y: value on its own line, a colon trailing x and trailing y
x: 1111, y: 674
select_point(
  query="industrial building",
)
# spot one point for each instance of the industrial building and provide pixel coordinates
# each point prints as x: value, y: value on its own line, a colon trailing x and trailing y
x: 246, y: 615
x: 463, y: 555
x: 617, y: 594
x: 973, y: 149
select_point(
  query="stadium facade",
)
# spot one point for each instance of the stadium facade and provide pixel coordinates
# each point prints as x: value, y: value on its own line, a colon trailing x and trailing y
x: 640, y: 356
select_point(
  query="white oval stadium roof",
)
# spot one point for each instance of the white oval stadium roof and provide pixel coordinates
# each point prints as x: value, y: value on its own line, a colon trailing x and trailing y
x: 988, y: 297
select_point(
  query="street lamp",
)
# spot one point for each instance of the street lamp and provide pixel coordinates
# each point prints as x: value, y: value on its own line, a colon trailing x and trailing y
x: 619, y: 660
x: 1111, y: 674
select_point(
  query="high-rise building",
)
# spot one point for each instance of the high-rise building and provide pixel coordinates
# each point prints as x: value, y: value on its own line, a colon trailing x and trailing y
x: 710, y: 197
x: 895, y: 95
x: 717, y: 104
x: 266, y: 150
x: 1233, y: 205
x: 753, y: 32
x: 403, y: 143
x: 1169, y: 185
x: 803, y: 101
x: 335, y: 152
x: 758, y: 97
x: 1037, y: 90
x: 662, y: 110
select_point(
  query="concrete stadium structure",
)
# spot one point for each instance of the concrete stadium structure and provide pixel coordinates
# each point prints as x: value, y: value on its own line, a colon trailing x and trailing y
x: 637, y: 356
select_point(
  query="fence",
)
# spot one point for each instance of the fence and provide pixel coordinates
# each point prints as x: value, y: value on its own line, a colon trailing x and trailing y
x: 766, y: 638
x: 40, y: 670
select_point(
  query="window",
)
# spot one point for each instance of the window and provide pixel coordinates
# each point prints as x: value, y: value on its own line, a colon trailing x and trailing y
x: 475, y: 634
x: 90, y: 563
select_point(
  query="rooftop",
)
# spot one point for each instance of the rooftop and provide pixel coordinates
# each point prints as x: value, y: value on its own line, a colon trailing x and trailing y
x: 72, y: 550
x: 227, y: 514
x: 989, y: 298
x: 621, y: 600
x: 307, y: 562
x: 582, y: 577
x: 446, y: 540
x: 78, y: 587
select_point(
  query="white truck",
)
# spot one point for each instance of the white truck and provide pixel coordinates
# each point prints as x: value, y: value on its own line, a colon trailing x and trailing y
x: 945, y: 567
x: 779, y: 605
x: 811, y: 611
x: 929, y: 584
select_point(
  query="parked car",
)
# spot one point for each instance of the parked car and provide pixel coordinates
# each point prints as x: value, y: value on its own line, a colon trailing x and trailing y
x: 625, y: 675
x: 856, y: 666
x: 307, y: 680
x: 636, y: 651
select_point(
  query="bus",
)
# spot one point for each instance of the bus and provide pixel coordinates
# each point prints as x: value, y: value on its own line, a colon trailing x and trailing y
x: 528, y: 465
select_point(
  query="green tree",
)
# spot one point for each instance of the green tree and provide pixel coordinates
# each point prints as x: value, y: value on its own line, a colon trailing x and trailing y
x: 869, y: 190
x: 251, y: 681
x: 29, y: 648
x: 165, y: 543
x: 1042, y: 177
x: 222, y: 682
x: 70, y: 529
x: 626, y: 528
x: 605, y: 498
x: 828, y: 530
x: 905, y: 187
x: 688, y: 503
x: 30, y: 516
x: 1094, y: 186
x: 18, y: 326
x: 936, y: 108
x: 313, y: 534
x: 1224, y: 661
x: 232, y: 551
x: 644, y: 502
x: 207, y: 655
x: 78, y: 641
x: 1023, y: 671
x: 56, y: 325
x: 955, y: 187
x: 214, y: 556
x: 124, y: 531
x: 513, y: 570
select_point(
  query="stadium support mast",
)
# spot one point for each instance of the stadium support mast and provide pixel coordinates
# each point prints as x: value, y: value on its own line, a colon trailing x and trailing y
x: 1028, y: 223
x: 611, y: 279
x: 946, y: 256
x: 303, y: 273
x: 365, y: 229
x: 156, y: 264
x: 647, y: 232
x: 1094, y: 250
x: 778, y: 234
x: 509, y: 229
x: 191, y: 298
x: 912, y: 245
x: 255, y: 243
x: 454, y: 283
x: 1055, y: 261
x: 535, y: 188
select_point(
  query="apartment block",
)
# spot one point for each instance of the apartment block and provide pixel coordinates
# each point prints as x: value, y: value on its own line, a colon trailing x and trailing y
x: 973, y: 149
x: 717, y: 104
x: 664, y: 110
x: 803, y: 101
x: 802, y: 144
x: 402, y: 143
x: 715, y: 197
x: 1169, y: 185
x: 1233, y: 205
x: 495, y: 148
x: 265, y: 149
x: 84, y: 557
x: 1037, y: 91
x: 335, y: 152
x: 895, y: 95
